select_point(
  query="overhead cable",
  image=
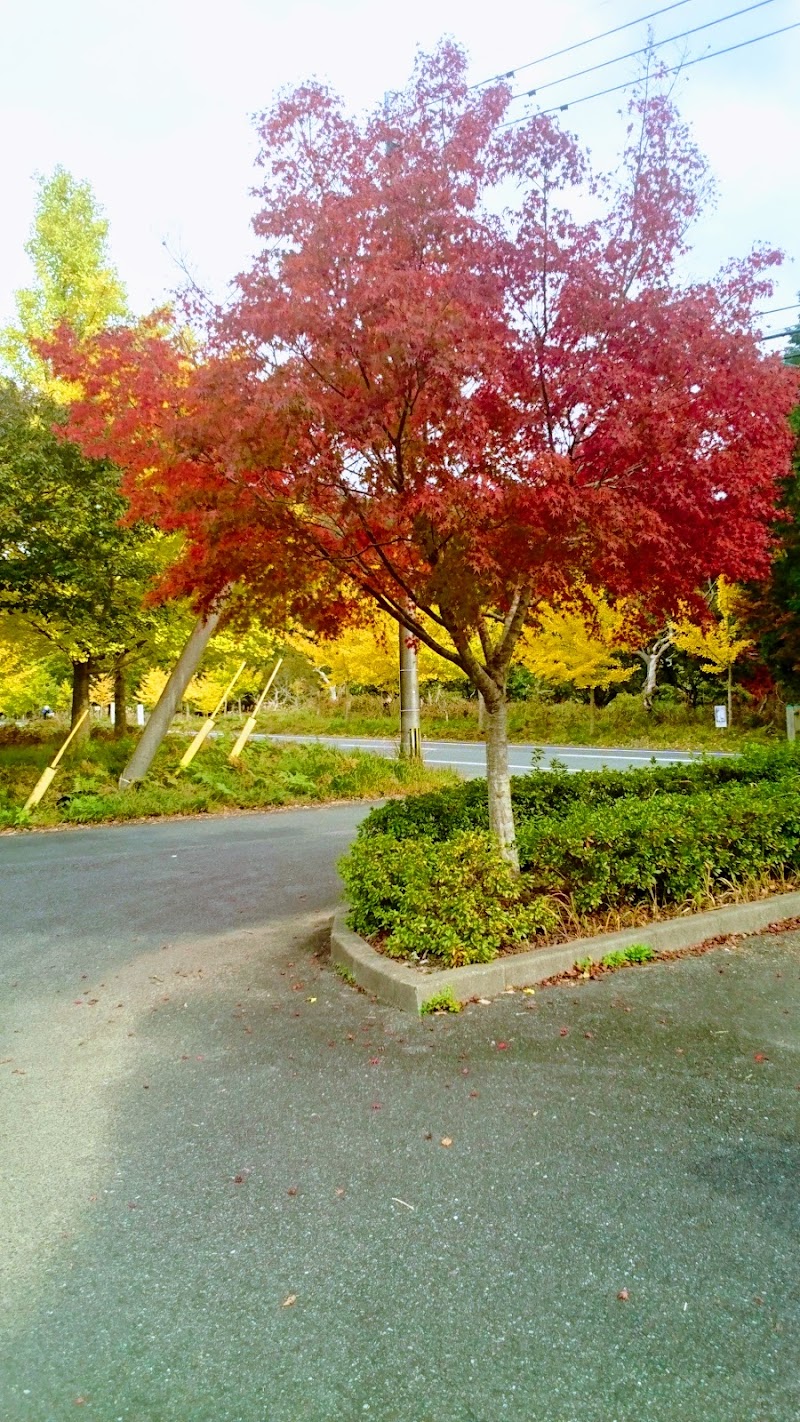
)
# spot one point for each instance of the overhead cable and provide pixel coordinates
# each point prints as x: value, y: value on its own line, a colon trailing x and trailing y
x: 773, y: 310
x: 581, y: 44
x: 631, y: 83
x: 645, y: 49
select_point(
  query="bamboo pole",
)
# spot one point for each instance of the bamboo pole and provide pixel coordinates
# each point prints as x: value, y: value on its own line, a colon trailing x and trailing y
x: 249, y: 725
x: 49, y: 774
x: 208, y: 725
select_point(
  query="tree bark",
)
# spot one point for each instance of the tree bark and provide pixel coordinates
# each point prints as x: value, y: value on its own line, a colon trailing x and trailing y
x: 410, y: 733
x: 501, y: 814
x: 120, y: 697
x: 591, y: 710
x: 652, y: 660
x: 481, y: 712
x: 169, y: 700
x: 81, y: 676
x: 730, y: 695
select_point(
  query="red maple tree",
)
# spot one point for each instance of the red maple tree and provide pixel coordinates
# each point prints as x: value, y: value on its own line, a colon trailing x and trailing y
x: 443, y: 387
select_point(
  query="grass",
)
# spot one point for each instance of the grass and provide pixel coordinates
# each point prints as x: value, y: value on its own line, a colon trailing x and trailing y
x: 623, y: 723
x: 269, y: 775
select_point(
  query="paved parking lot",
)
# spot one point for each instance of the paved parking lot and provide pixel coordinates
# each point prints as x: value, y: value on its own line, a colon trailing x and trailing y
x: 236, y: 1190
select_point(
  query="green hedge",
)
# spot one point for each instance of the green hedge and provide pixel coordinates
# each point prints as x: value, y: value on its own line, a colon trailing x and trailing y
x: 425, y: 875
x: 440, y: 814
x: 455, y: 901
x: 666, y: 850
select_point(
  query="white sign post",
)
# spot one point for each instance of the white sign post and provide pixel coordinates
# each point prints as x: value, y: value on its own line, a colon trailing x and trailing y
x: 721, y: 717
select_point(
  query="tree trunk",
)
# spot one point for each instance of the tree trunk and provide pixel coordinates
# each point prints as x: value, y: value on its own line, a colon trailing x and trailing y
x: 591, y: 710
x: 652, y: 660
x: 410, y: 734
x: 81, y: 676
x: 730, y: 694
x: 170, y: 698
x: 120, y: 697
x: 501, y: 814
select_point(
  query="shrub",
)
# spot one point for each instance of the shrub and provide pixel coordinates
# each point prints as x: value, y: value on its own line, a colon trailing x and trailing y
x: 456, y: 901
x: 664, y: 850
x: 443, y: 813
x: 376, y: 874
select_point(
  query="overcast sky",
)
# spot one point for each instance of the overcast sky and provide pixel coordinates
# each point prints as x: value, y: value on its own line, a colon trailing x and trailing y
x: 152, y: 101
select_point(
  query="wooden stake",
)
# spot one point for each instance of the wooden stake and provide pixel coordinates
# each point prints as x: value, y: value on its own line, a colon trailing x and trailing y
x: 249, y: 725
x: 189, y: 755
x: 48, y: 776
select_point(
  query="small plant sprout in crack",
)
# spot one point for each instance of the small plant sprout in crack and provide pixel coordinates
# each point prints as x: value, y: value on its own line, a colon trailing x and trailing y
x: 444, y: 1001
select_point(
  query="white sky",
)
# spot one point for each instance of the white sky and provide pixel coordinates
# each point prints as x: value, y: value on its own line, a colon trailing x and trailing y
x: 151, y: 102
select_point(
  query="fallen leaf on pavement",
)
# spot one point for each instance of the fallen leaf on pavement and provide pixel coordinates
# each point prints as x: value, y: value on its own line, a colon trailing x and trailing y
x: 446, y: 1141
x: 623, y: 1295
x: 760, y: 1057
x: 289, y: 1300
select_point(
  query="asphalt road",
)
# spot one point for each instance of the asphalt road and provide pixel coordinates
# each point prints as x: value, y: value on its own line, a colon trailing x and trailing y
x: 227, y: 1193
x: 469, y: 757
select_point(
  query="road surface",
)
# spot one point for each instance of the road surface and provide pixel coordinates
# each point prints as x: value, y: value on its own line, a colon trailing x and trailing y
x: 469, y: 757
x: 233, y: 1189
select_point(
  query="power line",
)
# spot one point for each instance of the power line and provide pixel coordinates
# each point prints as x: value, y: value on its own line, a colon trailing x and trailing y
x: 631, y: 83
x: 645, y: 49
x: 581, y: 44
x: 774, y: 310
x: 776, y: 335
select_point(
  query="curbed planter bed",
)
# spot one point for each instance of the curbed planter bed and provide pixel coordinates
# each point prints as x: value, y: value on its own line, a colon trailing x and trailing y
x: 408, y: 988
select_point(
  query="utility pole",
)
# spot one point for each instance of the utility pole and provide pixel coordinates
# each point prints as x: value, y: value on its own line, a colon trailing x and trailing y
x: 410, y: 733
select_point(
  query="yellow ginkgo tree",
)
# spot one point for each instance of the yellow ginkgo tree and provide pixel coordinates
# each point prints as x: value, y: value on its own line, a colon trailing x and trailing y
x: 31, y: 676
x: 580, y: 641
x: 366, y: 655
x: 719, y: 644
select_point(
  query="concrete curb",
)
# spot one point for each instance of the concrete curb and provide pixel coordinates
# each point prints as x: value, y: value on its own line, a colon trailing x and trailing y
x: 407, y: 988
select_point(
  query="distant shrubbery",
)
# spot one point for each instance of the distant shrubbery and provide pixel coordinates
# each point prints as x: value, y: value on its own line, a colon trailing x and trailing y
x: 539, y: 719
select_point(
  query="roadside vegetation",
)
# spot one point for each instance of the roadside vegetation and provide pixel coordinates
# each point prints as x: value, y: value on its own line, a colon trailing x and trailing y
x: 269, y: 775
x: 671, y: 725
x: 599, y: 850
